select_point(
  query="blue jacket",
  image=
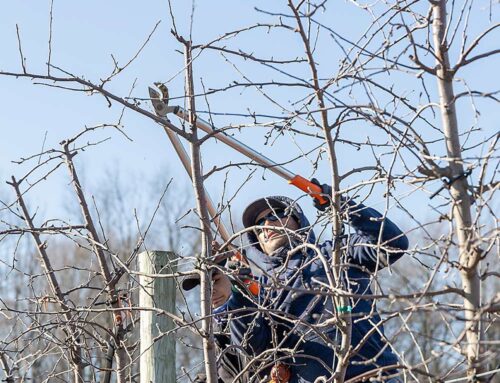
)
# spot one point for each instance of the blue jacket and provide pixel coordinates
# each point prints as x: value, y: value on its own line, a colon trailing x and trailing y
x: 292, y: 327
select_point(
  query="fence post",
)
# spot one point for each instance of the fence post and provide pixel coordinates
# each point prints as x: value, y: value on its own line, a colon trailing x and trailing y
x: 157, y: 360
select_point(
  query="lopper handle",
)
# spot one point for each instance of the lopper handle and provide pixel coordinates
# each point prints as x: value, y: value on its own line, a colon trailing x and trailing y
x: 310, y: 188
x: 253, y: 286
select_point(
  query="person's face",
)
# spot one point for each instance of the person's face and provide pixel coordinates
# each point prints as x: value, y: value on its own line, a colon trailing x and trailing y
x: 221, y: 289
x: 269, y: 239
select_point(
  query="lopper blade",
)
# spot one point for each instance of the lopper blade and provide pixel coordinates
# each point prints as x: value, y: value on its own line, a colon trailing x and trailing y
x: 158, y: 102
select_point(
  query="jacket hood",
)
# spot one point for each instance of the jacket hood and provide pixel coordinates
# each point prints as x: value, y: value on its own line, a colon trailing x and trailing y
x: 272, y: 202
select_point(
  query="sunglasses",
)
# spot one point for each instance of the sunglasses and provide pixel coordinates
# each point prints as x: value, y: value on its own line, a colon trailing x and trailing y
x: 272, y: 216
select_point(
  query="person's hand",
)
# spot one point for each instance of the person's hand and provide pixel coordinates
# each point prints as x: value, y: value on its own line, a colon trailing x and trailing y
x: 239, y: 268
x: 326, y: 191
x: 241, y: 274
x: 215, y: 247
x: 345, y: 202
x: 221, y: 288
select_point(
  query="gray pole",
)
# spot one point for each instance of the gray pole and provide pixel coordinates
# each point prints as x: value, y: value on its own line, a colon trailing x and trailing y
x: 157, y: 361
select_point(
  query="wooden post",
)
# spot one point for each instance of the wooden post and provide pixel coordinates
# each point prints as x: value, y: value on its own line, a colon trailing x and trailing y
x: 157, y: 361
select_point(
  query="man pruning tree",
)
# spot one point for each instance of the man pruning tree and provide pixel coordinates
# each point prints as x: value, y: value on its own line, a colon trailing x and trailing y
x: 289, y: 330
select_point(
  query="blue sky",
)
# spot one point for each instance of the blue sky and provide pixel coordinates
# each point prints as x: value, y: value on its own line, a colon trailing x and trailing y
x: 86, y: 34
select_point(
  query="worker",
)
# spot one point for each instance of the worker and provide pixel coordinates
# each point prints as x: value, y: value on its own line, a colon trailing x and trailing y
x: 290, y: 329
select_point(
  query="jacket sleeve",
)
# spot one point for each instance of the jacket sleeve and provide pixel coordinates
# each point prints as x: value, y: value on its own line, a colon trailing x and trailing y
x: 378, y: 242
x: 249, y: 328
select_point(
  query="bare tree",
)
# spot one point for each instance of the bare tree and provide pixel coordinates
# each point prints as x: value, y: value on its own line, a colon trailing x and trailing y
x: 389, y: 110
x: 34, y: 347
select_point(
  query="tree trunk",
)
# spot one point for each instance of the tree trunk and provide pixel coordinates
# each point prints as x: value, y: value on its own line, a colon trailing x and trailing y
x: 469, y: 254
x: 209, y: 356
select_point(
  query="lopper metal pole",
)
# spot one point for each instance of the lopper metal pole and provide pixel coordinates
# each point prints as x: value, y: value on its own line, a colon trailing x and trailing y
x: 184, y: 157
x: 302, y: 183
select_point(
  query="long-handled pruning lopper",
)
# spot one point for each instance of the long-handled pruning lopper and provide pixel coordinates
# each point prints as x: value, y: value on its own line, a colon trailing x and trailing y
x: 162, y: 109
